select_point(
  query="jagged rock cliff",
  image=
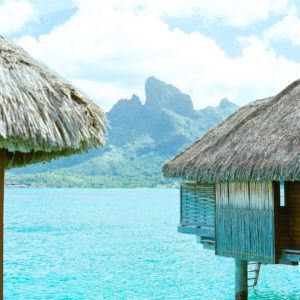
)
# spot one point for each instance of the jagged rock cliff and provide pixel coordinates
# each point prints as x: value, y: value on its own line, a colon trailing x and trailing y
x: 142, y: 137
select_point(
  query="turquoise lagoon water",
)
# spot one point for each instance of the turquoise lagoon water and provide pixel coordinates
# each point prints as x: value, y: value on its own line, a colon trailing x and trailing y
x: 116, y: 244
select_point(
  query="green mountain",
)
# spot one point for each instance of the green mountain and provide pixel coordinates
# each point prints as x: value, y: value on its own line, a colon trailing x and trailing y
x: 141, y: 138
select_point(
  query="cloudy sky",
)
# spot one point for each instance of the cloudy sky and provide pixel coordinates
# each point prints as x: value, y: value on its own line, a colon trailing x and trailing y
x: 209, y: 49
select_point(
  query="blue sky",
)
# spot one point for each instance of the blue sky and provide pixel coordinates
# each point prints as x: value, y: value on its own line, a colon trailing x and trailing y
x: 210, y: 49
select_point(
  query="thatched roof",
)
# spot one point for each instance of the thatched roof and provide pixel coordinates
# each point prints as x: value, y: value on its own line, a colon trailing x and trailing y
x: 42, y: 116
x: 259, y: 142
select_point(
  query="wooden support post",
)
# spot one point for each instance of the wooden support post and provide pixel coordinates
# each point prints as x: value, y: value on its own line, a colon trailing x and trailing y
x: 2, y: 171
x: 241, y: 279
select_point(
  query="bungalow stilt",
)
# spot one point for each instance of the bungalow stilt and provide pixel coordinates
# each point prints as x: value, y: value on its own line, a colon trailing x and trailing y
x: 241, y: 279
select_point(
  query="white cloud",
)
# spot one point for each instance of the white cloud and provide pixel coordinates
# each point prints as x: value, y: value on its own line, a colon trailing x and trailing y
x: 242, y: 12
x: 285, y: 30
x: 231, y: 12
x: 260, y: 72
x: 14, y: 15
x: 109, y: 52
x: 107, y: 90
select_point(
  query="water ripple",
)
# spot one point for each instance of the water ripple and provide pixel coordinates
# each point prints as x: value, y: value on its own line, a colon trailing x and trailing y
x: 116, y: 244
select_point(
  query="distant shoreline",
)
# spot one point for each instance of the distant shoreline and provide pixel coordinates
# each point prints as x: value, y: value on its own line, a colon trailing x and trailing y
x: 91, y: 188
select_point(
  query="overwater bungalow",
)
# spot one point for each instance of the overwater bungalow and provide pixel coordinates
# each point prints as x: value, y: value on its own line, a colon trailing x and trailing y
x: 42, y: 117
x: 242, y: 192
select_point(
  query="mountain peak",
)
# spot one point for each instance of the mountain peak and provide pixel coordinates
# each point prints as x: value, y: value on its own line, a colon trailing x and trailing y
x: 152, y: 79
x: 124, y: 106
x: 226, y: 108
x: 225, y: 102
x: 140, y: 138
x: 162, y: 95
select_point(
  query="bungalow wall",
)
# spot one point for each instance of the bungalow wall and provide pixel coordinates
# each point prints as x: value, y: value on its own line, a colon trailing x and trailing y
x: 197, y: 210
x: 245, y: 221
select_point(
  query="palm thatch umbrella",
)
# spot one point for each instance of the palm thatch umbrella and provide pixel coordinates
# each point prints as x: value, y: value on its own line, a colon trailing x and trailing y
x: 42, y: 117
x: 259, y: 142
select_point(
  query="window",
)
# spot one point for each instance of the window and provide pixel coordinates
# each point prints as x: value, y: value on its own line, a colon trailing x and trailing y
x: 282, y: 194
x: 198, y: 205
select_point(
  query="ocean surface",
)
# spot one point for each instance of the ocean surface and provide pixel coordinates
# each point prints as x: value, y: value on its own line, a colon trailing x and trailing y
x: 116, y: 244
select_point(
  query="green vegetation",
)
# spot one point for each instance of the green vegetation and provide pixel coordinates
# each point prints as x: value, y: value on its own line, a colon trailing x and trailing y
x: 115, y: 169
